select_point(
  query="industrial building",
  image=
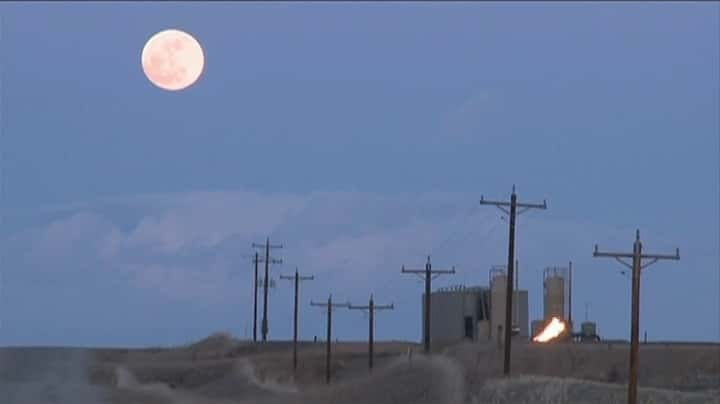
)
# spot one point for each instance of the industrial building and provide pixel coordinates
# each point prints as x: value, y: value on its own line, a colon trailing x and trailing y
x: 476, y: 313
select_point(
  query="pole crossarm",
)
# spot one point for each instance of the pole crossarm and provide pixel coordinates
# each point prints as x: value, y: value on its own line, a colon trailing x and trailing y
x: 375, y: 307
x: 300, y: 278
x: 598, y: 253
x: 527, y: 206
x: 647, y: 264
x: 333, y: 305
x: 656, y: 257
x: 272, y: 260
x: 422, y: 271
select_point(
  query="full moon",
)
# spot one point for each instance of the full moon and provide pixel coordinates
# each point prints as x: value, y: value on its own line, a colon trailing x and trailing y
x: 172, y: 60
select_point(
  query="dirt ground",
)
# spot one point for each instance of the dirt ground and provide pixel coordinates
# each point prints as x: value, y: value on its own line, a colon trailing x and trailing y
x: 221, y: 370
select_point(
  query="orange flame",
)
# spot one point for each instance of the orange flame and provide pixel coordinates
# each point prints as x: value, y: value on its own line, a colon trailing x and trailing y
x: 551, y: 331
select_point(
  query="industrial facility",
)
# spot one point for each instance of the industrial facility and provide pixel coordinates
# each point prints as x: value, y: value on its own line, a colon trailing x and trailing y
x: 477, y: 313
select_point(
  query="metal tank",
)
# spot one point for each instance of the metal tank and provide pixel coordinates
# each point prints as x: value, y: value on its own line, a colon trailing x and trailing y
x: 554, y: 293
x: 588, y: 330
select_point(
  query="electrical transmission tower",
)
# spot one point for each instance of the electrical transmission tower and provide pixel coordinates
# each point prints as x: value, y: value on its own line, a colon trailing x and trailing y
x: 636, y: 267
x: 297, y: 278
x: 371, y: 307
x: 267, y: 246
x: 330, y: 306
x: 427, y: 273
x: 514, y: 205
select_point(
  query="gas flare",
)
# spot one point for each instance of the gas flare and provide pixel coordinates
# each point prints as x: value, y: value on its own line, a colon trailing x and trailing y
x: 555, y: 328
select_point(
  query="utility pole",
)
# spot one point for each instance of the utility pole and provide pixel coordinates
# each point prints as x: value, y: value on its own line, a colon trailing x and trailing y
x: 427, y: 273
x: 570, y: 296
x: 637, y: 266
x: 297, y: 278
x: 266, y: 283
x: 330, y: 306
x: 514, y: 205
x: 256, y: 260
x: 371, y: 307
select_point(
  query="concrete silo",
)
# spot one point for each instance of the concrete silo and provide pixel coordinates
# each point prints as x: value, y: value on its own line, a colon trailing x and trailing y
x: 498, y: 301
x: 554, y: 293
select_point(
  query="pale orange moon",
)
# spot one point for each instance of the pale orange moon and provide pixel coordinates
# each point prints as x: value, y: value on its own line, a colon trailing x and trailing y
x: 172, y: 60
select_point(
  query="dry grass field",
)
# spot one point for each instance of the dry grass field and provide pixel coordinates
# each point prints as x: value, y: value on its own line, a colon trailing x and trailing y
x: 221, y: 370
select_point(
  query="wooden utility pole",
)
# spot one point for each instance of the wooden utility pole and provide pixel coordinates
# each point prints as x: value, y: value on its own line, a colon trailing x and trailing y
x: 637, y: 266
x: 297, y: 278
x: 267, y: 246
x: 328, y: 351
x: 514, y: 205
x: 371, y: 307
x: 256, y: 260
x: 570, y: 297
x: 427, y: 274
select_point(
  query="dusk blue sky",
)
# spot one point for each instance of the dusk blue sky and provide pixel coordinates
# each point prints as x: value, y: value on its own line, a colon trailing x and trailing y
x: 361, y: 136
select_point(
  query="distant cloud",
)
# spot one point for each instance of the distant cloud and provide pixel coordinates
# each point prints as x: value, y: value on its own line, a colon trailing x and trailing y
x: 204, y: 219
x: 202, y: 233
x: 208, y: 283
x: 191, y: 247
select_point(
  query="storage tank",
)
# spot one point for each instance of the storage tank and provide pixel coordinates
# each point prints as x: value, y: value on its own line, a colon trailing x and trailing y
x: 498, y: 289
x: 554, y: 293
x: 588, y: 329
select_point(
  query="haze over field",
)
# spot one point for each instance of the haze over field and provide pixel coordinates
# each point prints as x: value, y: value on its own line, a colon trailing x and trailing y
x: 219, y: 370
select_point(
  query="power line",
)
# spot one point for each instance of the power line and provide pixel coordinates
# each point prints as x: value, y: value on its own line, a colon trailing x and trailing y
x: 266, y: 282
x: 512, y: 213
x: 462, y: 219
x: 330, y: 306
x: 636, y: 267
x: 427, y: 272
x: 297, y: 278
x: 371, y: 307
